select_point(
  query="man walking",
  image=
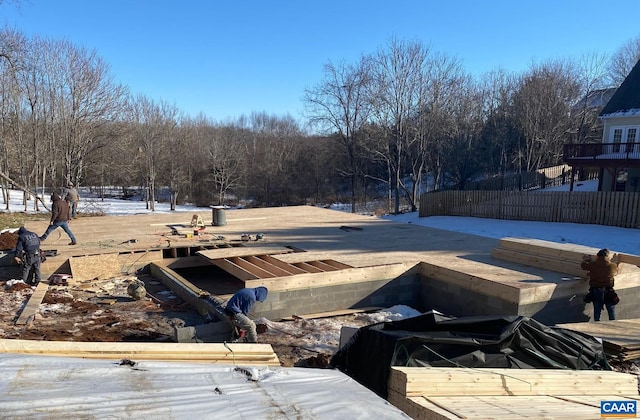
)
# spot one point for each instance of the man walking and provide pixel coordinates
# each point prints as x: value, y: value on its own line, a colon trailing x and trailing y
x: 28, y: 255
x: 238, y: 309
x: 59, y: 218
x: 72, y: 196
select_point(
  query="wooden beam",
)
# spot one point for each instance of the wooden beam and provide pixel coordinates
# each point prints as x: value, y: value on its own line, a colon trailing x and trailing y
x: 418, y: 381
x: 285, y: 266
x: 309, y: 268
x: 31, y: 308
x: 234, y: 269
x: 243, y: 251
x: 260, y: 354
x: 276, y: 270
x: 251, y: 268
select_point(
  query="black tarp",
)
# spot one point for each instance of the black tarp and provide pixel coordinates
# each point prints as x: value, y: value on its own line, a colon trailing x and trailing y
x: 437, y: 340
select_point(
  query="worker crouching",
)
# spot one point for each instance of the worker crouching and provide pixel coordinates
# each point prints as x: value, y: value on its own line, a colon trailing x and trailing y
x: 238, y: 309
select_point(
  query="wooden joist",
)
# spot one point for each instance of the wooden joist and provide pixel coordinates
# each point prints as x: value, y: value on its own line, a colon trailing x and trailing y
x: 484, y: 393
x: 247, y: 354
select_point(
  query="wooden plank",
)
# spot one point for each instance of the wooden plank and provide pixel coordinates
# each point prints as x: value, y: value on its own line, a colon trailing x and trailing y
x: 285, y: 266
x: 330, y: 314
x: 523, y: 382
x: 349, y: 276
x: 243, y: 251
x: 630, y: 259
x: 251, y: 268
x: 322, y: 266
x: 233, y: 269
x: 31, y: 308
x: 533, y: 260
x: 276, y: 270
x: 261, y: 354
x: 336, y: 264
x: 619, y: 333
x: 308, y: 267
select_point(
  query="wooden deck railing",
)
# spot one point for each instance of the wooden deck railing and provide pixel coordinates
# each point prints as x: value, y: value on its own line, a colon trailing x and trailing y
x: 598, y: 154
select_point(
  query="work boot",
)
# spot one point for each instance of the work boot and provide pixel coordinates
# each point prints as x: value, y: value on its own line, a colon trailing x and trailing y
x: 73, y: 243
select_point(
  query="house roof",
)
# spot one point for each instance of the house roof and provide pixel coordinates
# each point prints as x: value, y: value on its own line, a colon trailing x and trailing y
x: 626, y: 100
x: 596, y: 99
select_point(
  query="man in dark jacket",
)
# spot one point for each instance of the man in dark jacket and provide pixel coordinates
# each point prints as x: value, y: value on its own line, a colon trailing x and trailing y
x: 239, y: 306
x: 59, y: 218
x: 28, y: 255
x: 601, y: 278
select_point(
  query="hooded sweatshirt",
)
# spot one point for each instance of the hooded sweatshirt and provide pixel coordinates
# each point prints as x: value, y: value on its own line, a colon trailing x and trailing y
x: 59, y: 209
x: 244, y: 299
x: 28, y: 242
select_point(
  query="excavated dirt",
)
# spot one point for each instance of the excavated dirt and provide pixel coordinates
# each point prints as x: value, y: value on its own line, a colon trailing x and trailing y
x: 8, y: 241
x: 102, y: 310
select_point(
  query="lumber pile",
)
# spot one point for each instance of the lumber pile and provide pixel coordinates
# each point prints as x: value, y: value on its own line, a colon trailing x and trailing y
x: 219, y: 353
x: 560, y: 257
x: 453, y: 393
x: 620, y: 338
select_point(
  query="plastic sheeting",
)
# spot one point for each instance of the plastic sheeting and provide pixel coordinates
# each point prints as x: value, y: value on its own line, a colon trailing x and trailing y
x: 60, y: 387
x: 436, y: 340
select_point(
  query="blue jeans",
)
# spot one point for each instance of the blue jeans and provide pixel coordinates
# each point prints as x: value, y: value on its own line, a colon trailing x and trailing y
x: 598, y: 304
x: 31, y: 265
x: 59, y: 224
x: 74, y: 208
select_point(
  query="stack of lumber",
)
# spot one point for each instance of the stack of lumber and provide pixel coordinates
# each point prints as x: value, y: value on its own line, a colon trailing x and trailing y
x: 219, y: 353
x: 560, y: 257
x: 455, y: 393
x: 620, y: 338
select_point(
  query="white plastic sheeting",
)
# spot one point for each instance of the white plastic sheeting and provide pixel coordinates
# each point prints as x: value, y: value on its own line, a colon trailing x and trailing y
x: 59, y: 387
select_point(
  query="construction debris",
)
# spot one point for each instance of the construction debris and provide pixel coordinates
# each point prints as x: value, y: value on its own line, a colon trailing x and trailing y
x: 137, y: 290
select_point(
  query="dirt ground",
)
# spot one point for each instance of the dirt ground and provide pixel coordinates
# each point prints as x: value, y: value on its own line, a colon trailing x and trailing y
x: 102, y: 310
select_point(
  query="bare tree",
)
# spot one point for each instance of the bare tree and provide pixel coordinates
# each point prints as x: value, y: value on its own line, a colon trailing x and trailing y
x: 339, y: 105
x: 542, y: 105
x: 396, y: 95
x: 227, y: 149
x: 623, y: 61
x: 591, y: 73
x: 155, y: 124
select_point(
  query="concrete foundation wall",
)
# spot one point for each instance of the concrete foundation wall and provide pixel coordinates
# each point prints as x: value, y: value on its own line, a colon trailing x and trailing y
x: 455, y: 300
x: 381, y: 293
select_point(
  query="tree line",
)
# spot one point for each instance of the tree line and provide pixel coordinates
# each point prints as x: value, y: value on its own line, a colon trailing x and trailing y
x: 398, y: 121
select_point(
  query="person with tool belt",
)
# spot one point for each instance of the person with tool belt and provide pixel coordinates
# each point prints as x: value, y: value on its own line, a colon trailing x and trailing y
x: 602, y: 273
x: 28, y: 255
x: 238, y: 309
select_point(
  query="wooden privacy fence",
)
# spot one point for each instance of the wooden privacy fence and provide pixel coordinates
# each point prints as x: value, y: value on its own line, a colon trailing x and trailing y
x: 620, y: 209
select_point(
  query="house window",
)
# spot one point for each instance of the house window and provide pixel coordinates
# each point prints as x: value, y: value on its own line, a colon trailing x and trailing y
x: 631, y: 139
x: 625, y: 139
x: 617, y: 139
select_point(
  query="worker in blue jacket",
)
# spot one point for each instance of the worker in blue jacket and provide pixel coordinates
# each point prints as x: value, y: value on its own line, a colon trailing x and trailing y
x: 28, y: 255
x: 238, y: 308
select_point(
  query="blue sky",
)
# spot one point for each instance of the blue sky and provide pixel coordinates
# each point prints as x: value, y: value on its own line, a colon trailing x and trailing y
x: 229, y: 58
